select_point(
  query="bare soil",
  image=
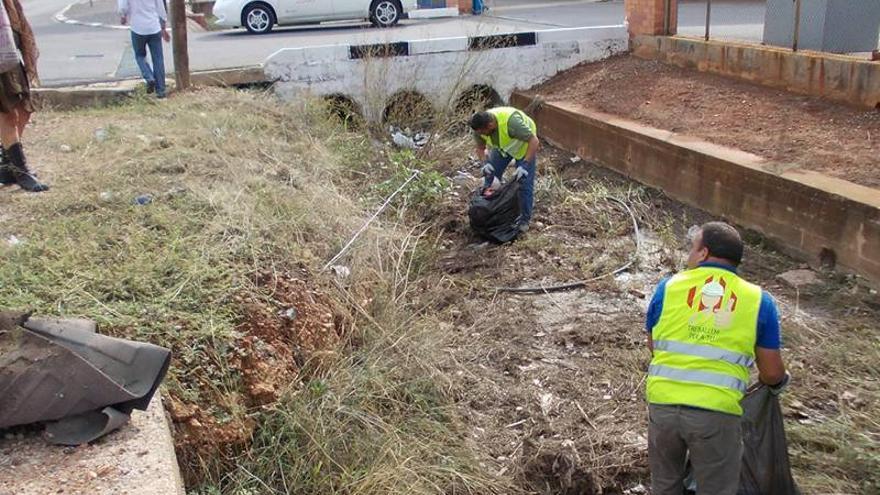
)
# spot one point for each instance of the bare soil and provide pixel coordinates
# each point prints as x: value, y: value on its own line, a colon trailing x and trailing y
x: 552, y: 385
x: 285, y: 336
x: 794, y: 131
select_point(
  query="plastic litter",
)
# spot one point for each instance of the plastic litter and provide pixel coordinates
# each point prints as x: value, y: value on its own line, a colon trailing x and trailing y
x: 408, y: 140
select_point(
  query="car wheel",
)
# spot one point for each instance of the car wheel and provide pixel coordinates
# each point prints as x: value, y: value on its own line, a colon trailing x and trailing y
x: 258, y: 18
x: 385, y: 13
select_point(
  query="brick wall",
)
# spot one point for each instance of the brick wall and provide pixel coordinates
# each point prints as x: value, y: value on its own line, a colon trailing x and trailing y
x: 649, y: 16
x: 464, y: 6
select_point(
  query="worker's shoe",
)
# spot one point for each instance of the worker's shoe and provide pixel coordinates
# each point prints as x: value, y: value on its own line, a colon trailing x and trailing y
x: 6, y: 176
x: 25, y: 179
x: 521, y: 224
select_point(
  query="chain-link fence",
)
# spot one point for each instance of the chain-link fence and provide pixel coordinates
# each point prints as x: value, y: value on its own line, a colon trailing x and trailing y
x: 838, y: 26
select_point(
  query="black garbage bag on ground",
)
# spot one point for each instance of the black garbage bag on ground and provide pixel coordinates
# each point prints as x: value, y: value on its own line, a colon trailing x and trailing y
x: 81, y: 383
x: 494, y: 217
x: 766, y: 469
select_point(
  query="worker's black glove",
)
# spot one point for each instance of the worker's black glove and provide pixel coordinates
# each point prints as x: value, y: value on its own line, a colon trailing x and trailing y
x: 520, y: 173
x: 488, y: 169
x: 781, y: 386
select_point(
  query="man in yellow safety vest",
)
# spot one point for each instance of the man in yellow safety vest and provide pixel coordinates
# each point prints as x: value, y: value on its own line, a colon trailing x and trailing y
x: 502, y: 135
x: 706, y: 327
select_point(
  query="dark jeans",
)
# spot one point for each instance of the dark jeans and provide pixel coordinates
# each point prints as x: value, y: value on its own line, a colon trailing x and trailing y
x: 527, y: 185
x: 713, y: 439
x: 156, y: 74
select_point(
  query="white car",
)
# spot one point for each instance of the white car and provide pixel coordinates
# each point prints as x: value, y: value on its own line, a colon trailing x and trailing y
x: 260, y: 16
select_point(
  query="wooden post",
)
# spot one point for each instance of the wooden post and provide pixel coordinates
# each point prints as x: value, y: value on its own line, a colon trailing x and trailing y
x: 708, y: 17
x: 179, y: 44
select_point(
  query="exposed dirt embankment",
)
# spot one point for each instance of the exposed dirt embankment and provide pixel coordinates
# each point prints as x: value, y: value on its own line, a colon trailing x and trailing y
x: 793, y: 131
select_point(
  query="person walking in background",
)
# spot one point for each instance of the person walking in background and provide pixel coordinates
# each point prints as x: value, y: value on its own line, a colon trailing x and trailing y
x: 16, y: 106
x: 147, y: 20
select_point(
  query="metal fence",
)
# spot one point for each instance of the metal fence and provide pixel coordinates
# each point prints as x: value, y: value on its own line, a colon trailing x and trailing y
x: 838, y: 26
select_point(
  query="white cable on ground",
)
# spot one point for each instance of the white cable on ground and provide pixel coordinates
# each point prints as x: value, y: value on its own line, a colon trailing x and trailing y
x: 582, y: 283
x: 371, y: 219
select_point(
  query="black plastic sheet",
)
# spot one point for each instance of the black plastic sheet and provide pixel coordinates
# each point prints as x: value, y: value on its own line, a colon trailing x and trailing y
x: 80, y: 383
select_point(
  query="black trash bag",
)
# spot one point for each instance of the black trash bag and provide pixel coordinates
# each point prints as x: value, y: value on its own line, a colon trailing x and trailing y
x: 766, y: 469
x: 494, y: 217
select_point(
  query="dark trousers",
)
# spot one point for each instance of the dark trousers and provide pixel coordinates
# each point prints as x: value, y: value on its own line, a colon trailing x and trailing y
x: 713, y: 439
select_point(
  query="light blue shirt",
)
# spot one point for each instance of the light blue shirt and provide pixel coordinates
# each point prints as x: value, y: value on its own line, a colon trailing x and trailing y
x: 144, y: 16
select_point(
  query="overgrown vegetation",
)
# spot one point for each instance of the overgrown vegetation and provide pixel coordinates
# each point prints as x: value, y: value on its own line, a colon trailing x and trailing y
x: 203, y: 224
x: 240, y: 199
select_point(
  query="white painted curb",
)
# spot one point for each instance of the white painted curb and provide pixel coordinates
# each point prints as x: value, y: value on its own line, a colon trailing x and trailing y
x: 433, y: 13
x: 62, y: 18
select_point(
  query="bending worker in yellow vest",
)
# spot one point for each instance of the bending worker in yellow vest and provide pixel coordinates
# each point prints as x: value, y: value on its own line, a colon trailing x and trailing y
x: 706, y: 327
x: 502, y: 135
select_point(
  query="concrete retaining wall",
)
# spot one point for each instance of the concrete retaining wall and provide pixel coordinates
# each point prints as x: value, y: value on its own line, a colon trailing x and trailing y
x: 815, y: 217
x: 439, y: 69
x: 837, y: 77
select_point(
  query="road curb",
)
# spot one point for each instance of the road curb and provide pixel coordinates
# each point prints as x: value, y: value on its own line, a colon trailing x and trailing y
x: 73, y: 97
x: 62, y: 18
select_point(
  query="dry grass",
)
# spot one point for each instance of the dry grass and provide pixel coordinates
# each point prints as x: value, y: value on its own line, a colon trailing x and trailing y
x: 422, y: 396
x: 241, y: 186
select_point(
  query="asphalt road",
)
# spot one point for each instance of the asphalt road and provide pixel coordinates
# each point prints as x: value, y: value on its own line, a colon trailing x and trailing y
x: 77, y: 54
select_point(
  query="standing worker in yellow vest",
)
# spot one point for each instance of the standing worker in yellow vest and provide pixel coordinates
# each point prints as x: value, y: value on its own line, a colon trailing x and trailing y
x: 502, y: 135
x: 706, y: 327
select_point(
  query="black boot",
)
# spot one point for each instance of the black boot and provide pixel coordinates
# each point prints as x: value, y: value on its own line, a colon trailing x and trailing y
x: 6, y: 176
x: 25, y: 178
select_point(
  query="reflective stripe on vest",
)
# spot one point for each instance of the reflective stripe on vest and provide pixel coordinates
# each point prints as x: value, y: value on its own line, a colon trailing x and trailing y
x: 512, y: 147
x: 705, y: 351
x: 704, y: 340
x: 704, y: 377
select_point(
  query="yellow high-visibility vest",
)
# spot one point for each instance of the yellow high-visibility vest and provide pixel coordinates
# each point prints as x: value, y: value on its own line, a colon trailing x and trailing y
x: 515, y: 148
x: 704, y: 341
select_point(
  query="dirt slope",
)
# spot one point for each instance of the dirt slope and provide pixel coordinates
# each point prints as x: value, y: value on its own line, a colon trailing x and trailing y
x: 552, y: 385
x: 796, y: 131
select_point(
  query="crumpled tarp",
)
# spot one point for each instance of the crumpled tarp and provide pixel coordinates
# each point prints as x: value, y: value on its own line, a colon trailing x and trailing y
x: 81, y: 383
x: 494, y: 217
x: 766, y: 469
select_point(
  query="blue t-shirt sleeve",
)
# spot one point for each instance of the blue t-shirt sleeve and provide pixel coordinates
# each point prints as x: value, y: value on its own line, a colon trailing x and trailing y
x: 769, y: 334
x: 655, y: 307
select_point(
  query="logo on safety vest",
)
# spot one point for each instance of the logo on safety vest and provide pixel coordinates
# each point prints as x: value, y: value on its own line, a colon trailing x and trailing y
x: 711, y: 313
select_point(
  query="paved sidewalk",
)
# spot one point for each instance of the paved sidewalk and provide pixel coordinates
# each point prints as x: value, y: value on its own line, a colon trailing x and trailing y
x: 92, y: 12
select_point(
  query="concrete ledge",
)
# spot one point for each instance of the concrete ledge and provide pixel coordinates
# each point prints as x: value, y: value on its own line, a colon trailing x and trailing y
x: 80, y: 97
x: 139, y: 458
x: 241, y: 76
x: 437, y: 45
x: 837, y: 77
x: 441, y: 70
x: 812, y: 216
x: 70, y: 98
x: 433, y: 13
